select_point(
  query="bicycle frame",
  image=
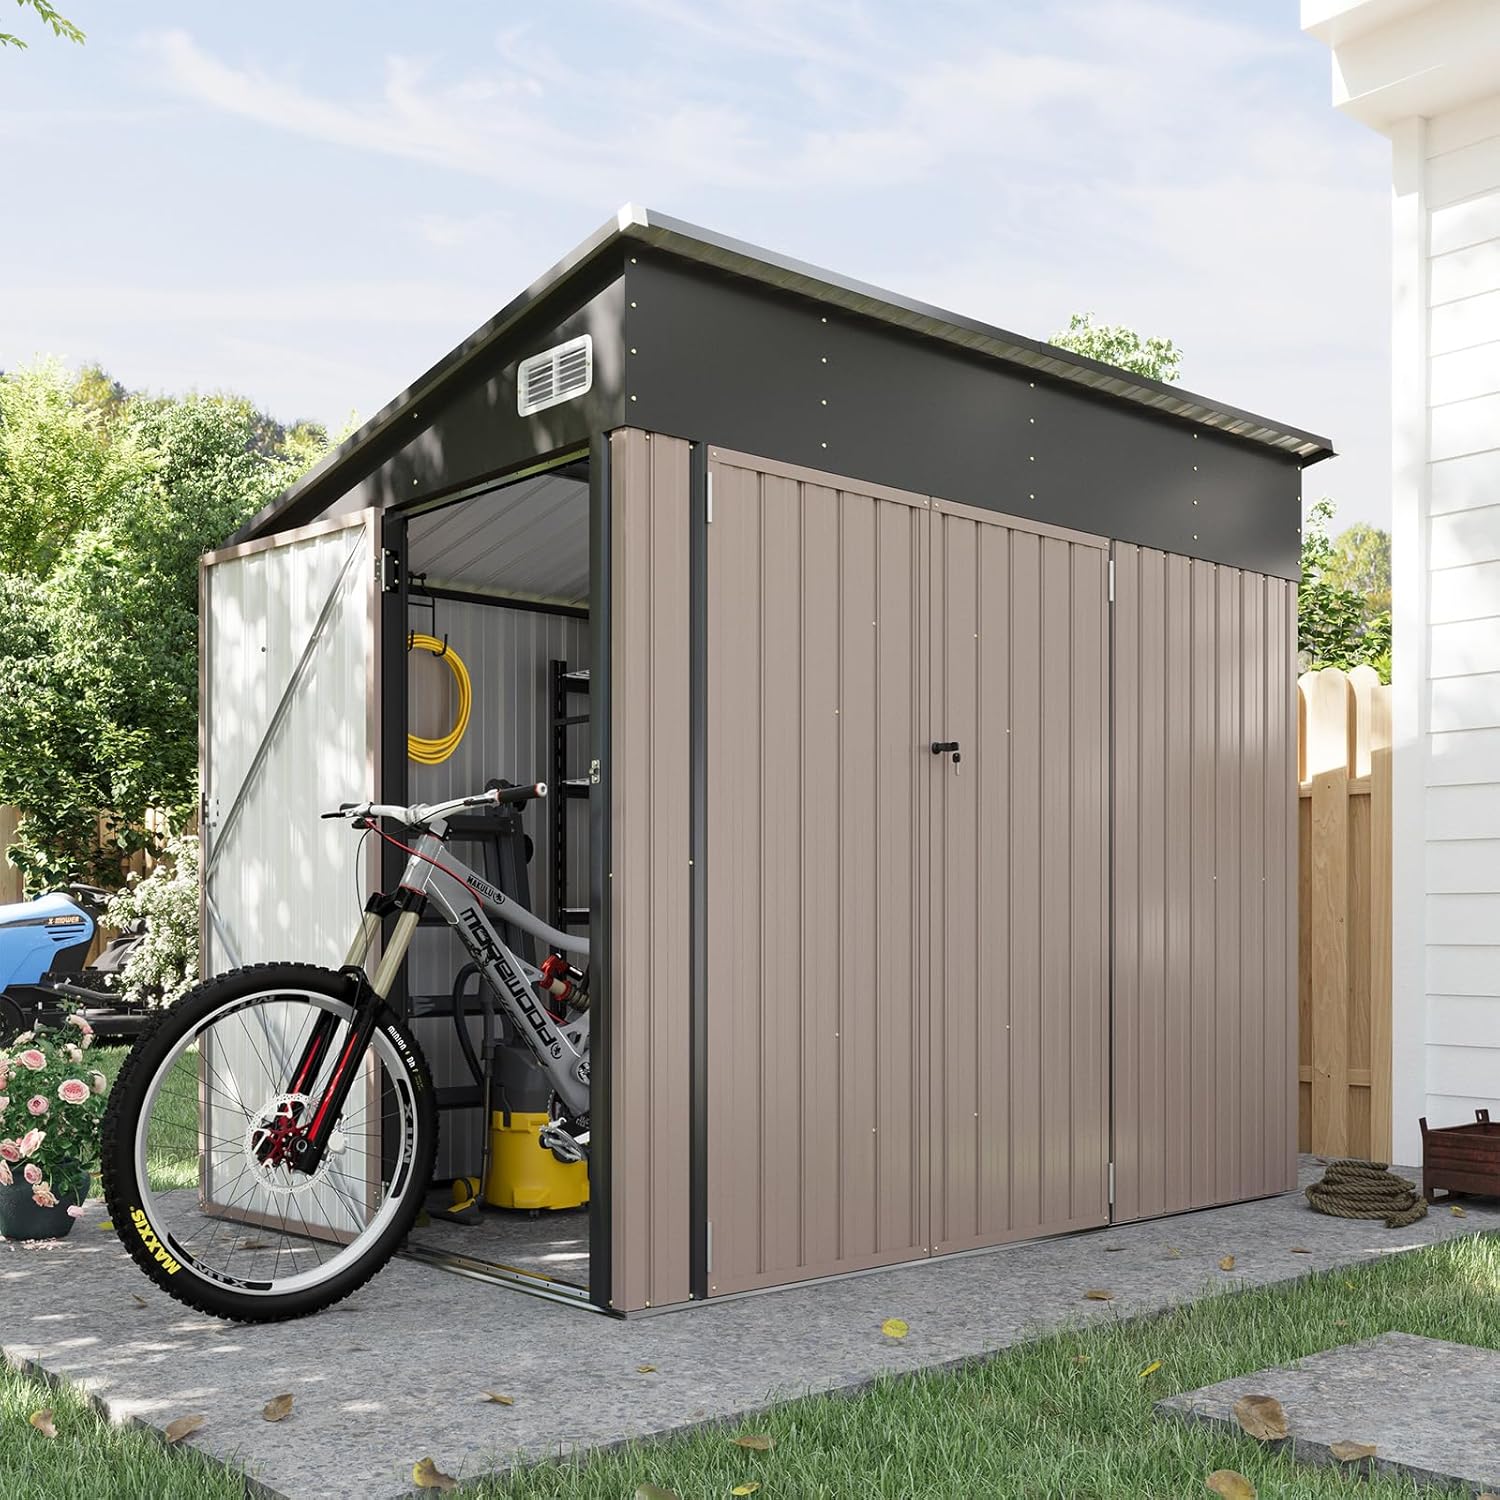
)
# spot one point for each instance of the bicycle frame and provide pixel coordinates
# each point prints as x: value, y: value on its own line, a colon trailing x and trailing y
x: 434, y: 875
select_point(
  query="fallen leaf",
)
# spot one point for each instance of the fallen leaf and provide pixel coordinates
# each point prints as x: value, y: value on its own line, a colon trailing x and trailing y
x: 174, y: 1432
x: 105, y: 1224
x: 139, y: 1300
x: 1261, y: 1417
x: 1173, y: 1253
x: 645, y: 1369
x: 427, y: 1476
x: 1231, y: 1484
x: 42, y: 1421
x: 1150, y: 1369
x: 1098, y: 1294
x: 1349, y: 1286
x: 654, y: 1492
x: 256, y: 1245
x: 746, y: 1489
x: 277, y: 1408
x: 1341, y: 1322
x: 1227, y: 1264
x: 1080, y: 1359
x: 496, y: 1399
x: 1458, y: 1213
x: 1300, y: 1250
x: 1113, y: 1249
x: 1348, y: 1453
x: 757, y: 1442
x: 895, y: 1328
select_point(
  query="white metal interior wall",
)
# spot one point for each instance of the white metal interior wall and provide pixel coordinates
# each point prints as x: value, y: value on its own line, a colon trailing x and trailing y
x: 507, y: 653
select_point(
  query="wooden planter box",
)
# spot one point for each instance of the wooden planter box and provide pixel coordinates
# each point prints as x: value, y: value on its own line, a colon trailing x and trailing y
x: 1462, y: 1158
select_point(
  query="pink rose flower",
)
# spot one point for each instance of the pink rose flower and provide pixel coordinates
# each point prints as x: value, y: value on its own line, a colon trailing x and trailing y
x: 4, y: 1103
x: 32, y: 1058
x: 4, y: 1077
x: 98, y: 1082
x: 72, y: 1091
x: 32, y: 1173
x: 24, y: 1037
x: 37, y: 1104
x: 43, y: 1197
x: 74, y: 1211
x: 5, y: 1175
x: 31, y: 1142
x: 10, y: 1151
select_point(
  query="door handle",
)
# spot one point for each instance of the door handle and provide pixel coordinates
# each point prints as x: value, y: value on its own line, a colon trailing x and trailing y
x: 946, y: 747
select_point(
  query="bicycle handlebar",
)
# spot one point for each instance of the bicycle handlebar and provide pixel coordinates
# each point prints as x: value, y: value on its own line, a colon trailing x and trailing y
x: 420, y: 813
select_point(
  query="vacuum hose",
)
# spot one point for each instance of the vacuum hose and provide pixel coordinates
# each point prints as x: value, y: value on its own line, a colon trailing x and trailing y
x: 434, y: 752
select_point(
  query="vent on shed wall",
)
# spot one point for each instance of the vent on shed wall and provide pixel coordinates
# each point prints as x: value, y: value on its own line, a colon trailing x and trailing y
x: 557, y: 374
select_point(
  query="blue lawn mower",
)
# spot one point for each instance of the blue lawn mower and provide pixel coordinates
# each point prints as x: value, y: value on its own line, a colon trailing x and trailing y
x: 43, y: 944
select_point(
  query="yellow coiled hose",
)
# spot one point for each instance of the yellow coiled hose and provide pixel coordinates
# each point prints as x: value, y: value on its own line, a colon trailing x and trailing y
x: 435, y: 752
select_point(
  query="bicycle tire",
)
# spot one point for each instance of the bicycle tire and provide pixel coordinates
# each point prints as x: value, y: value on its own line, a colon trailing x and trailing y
x: 143, y: 1229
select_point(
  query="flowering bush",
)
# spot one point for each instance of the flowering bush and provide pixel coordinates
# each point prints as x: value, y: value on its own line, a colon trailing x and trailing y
x: 50, y: 1108
x: 166, y: 962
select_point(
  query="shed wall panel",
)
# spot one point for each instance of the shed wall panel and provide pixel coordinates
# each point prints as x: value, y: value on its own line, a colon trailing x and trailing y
x: 649, y: 876
x: 1204, y: 884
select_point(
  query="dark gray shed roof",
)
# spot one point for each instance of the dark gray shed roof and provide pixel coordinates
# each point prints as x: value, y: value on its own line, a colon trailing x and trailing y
x: 638, y: 226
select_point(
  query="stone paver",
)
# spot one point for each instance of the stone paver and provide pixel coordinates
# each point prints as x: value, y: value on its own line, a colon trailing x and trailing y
x: 1429, y: 1407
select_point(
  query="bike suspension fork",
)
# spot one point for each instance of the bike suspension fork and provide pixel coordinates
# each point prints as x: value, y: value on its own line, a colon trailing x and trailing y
x: 308, y: 1148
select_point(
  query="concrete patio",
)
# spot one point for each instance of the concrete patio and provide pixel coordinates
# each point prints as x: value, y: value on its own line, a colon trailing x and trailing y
x: 399, y: 1369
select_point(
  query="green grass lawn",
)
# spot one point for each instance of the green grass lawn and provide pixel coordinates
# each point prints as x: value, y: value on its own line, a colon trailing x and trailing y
x: 1067, y: 1416
x: 172, y: 1161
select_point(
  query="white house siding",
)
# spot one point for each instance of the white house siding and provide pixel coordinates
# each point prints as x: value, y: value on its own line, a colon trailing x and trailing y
x: 1448, y: 813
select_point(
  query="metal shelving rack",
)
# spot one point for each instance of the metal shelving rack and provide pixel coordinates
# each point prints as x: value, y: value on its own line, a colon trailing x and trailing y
x: 566, y: 685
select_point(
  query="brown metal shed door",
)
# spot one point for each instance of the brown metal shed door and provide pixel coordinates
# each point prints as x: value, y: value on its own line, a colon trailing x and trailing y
x: 1018, y: 957
x: 817, y: 632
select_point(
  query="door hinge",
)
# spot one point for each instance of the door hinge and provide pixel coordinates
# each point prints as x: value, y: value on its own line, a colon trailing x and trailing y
x: 387, y: 571
x: 596, y: 773
x: 710, y: 1263
x: 1111, y: 580
x: 1111, y: 1184
x: 710, y: 509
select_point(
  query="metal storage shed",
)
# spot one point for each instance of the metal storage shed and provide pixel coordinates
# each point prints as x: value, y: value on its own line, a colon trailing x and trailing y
x: 855, y: 1002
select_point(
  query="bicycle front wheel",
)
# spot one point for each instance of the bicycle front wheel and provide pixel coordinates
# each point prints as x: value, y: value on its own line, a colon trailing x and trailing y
x: 204, y: 1208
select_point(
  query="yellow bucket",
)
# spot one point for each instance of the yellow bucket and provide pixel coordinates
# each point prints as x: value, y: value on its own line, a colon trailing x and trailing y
x: 524, y: 1174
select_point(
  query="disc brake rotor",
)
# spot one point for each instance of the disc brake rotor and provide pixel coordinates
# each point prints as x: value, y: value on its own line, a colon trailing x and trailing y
x: 274, y: 1174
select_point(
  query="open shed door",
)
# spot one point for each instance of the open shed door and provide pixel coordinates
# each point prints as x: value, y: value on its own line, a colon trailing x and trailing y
x: 289, y: 728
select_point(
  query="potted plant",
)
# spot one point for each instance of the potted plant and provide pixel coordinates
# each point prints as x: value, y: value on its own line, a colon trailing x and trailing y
x: 50, y: 1108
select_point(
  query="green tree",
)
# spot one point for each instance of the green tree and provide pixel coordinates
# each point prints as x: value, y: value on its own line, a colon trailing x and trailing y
x: 1115, y: 344
x: 98, y: 648
x: 61, y: 25
x: 1335, y: 627
x: 1361, y: 560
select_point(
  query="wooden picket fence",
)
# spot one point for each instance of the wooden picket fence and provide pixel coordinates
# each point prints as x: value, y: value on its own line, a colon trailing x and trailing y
x: 1344, y: 955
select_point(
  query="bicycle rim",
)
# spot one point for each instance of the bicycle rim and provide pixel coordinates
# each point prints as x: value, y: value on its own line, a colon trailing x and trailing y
x: 267, y: 1230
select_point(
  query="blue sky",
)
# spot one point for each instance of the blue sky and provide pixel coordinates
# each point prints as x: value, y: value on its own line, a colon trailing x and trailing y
x: 310, y: 203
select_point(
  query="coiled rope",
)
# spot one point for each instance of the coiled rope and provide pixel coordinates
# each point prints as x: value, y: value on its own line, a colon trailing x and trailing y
x: 435, y: 752
x: 1366, y: 1190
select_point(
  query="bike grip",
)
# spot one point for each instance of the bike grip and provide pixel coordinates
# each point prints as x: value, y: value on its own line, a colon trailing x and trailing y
x: 515, y: 794
x: 345, y: 808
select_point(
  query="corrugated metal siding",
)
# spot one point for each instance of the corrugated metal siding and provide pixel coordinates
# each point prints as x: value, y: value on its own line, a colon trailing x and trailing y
x: 816, y: 699
x: 650, y: 776
x: 284, y: 882
x: 1205, y: 884
x: 507, y: 652
x: 1019, y: 977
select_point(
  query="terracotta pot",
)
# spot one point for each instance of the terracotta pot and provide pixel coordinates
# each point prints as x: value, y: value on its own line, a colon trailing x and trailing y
x: 22, y: 1218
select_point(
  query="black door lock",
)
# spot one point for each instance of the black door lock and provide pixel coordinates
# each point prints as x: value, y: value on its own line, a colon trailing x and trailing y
x: 946, y: 747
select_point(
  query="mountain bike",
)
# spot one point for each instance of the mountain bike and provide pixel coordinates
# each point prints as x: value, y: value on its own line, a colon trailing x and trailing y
x: 271, y: 1136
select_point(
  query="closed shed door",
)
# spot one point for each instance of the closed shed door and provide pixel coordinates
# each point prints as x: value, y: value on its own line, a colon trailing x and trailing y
x: 816, y: 837
x: 1019, y: 986
x: 907, y: 997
